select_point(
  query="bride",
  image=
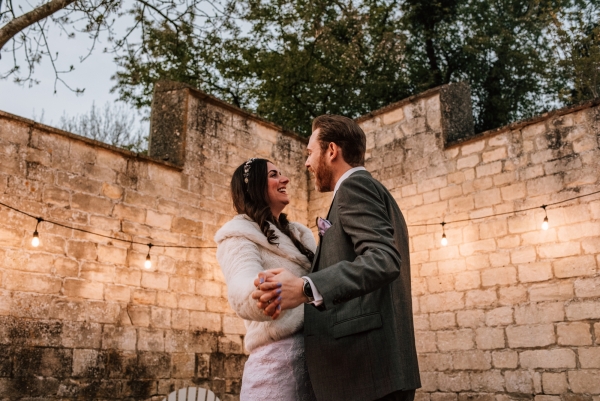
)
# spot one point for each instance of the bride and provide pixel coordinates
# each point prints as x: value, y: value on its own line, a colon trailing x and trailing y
x: 260, y: 238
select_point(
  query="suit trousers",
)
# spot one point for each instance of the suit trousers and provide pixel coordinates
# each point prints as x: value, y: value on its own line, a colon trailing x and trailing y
x: 402, y: 395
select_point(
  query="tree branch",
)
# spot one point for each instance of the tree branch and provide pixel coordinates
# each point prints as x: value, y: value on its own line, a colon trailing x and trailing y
x: 15, y: 26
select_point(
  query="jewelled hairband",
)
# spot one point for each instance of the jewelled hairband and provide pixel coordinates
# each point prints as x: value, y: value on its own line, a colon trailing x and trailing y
x: 247, y: 166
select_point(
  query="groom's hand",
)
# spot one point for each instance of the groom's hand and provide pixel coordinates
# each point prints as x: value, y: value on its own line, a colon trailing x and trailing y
x: 281, y: 290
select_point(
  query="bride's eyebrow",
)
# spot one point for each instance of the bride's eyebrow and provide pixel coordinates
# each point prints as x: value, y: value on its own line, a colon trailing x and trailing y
x: 274, y: 171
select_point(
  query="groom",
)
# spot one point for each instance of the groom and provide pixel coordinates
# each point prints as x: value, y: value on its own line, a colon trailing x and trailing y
x: 358, y: 325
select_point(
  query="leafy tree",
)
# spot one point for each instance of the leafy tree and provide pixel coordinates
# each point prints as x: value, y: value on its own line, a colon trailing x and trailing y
x: 24, y: 29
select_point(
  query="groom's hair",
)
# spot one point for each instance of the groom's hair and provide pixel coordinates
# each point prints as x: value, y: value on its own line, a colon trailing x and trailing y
x: 345, y: 133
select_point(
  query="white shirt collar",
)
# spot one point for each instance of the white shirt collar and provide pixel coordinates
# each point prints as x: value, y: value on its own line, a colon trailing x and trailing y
x: 346, y: 175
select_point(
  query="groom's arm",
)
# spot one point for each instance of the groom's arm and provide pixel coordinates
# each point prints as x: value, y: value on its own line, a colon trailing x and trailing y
x: 364, y: 218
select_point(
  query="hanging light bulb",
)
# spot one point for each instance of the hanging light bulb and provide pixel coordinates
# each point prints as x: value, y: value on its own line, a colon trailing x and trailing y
x: 35, y: 241
x: 148, y: 262
x: 444, y: 239
x: 545, y: 224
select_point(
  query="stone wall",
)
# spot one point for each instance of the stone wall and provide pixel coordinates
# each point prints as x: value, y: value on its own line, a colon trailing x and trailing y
x: 506, y: 310
x: 80, y: 317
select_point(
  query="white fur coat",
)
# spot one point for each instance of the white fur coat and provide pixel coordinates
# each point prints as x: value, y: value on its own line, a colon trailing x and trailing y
x: 243, y: 251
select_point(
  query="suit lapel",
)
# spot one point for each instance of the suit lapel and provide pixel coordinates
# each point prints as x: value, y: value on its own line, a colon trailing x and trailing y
x: 315, y: 264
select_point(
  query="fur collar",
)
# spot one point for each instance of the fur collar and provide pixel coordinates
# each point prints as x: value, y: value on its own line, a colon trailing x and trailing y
x: 243, y: 226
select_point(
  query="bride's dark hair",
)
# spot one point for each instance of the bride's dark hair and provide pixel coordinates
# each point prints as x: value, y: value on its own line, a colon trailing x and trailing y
x: 250, y: 198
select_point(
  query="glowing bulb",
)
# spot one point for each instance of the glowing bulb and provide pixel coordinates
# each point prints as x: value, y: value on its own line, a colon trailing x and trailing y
x: 148, y: 262
x: 545, y: 224
x: 35, y: 241
x: 444, y: 240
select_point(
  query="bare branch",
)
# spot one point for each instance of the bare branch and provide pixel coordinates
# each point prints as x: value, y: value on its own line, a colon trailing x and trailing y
x: 15, y: 26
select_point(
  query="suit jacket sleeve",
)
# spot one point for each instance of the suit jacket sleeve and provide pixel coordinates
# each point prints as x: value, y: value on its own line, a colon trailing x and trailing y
x: 241, y: 262
x: 364, y: 218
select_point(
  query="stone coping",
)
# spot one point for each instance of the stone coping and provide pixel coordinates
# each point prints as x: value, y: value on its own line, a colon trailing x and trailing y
x: 92, y: 142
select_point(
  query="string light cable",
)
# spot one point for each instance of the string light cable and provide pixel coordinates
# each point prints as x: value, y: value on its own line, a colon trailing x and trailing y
x: 35, y: 241
x: 545, y: 223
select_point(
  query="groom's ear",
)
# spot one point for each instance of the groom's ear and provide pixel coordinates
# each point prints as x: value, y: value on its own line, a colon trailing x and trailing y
x: 334, y: 151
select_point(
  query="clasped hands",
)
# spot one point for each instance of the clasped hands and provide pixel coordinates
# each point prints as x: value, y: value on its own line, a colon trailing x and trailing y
x: 278, y: 290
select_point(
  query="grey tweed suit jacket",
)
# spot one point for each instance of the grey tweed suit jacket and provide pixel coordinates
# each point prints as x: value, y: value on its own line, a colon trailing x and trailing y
x: 360, y: 344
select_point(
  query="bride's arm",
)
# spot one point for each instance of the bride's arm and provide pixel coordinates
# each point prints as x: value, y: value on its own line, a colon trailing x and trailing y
x: 240, y: 261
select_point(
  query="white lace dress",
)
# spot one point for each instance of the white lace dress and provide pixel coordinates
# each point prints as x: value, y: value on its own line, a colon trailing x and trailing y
x: 277, y: 371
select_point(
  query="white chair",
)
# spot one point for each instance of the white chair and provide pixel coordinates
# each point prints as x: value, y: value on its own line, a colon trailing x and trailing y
x: 192, y: 394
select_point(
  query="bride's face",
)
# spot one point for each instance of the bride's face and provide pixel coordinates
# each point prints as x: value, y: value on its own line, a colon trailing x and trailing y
x: 277, y: 196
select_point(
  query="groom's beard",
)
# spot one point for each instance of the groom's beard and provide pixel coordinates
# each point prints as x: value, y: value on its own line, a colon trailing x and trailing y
x: 323, y: 176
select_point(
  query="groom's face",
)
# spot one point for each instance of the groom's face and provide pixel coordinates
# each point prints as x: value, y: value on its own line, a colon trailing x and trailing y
x: 317, y: 164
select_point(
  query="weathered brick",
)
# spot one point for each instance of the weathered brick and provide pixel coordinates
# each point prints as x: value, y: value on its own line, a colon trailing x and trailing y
x: 470, y: 318
x: 584, y: 381
x: 472, y: 360
x: 519, y: 381
x: 551, y: 292
x: 151, y: 340
x: 512, y: 295
x: 442, y: 302
x: 530, y: 336
x: 499, y: 317
x: 91, y: 204
x: 155, y: 280
x: 467, y: 281
x: 489, y: 338
x: 575, y: 266
x: 574, y: 334
x: 425, y: 341
x: 554, y: 383
x: 441, y: 321
x: 146, y: 297
x: 455, y: 382
x: 490, y: 381
x: 461, y: 339
x: 488, y: 169
x: 499, y: 276
x: 540, y: 313
x: 548, y: 359
x: 533, y: 272
x: 206, y: 321
x: 467, y: 162
x: 81, y: 250
x: 583, y: 310
x: 435, y: 362
x: 589, y: 358
x: 559, y: 250
x: 117, y: 293
x: 479, y: 298
x: 505, y: 359
x: 20, y: 281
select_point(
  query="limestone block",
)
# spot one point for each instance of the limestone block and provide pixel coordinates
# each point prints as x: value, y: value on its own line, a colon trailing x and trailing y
x: 521, y: 223
x: 591, y: 245
x: 120, y: 338
x: 461, y: 339
x: 442, y: 283
x: 505, y: 359
x: 96, y: 272
x: 499, y: 317
x: 554, y: 383
x: 530, y: 336
x: 488, y: 169
x: 489, y: 338
x: 560, y: 250
x: 493, y: 155
x: 575, y: 266
x: 82, y: 250
x: 467, y: 281
x: 493, y: 229
x: 160, y: 220
x: 443, y: 397
x: 478, y: 262
x: 439, y: 321
x: 472, y: 360
x: 534, y: 272
x: 435, y: 362
x: 206, y: 321
x: 57, y: 196
x: 540, y: 313
x: 521, y: 255
x: 454, y: 381
x: 491, y: 381
x: 519, y: 381
x: 425, y: 341
x: 584, y: 381
x: 151, y: 340
x: 583, y: 310
x: 429, y: 381
x: 499, y: 276
x: 231, y: 344
x: 117, y: 293
x: 128, y: 276
x: 447, y: 301
x: 578, y: 230
x: 192, y: 302
x: 487, y: 198
x: 155, y: 280
x: 574, y: 334
x: 473, y: 147
x: 83, y: 289
x: 551, y: 292
x: 468, y: 249
x: 548, y: 359
x: 81, y: 335
x: 145, y: 297
x: 78, y: 183
x: 470, y: 318
x: 589, y: 357
x: 480, y: 298
x: 467, y: 162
